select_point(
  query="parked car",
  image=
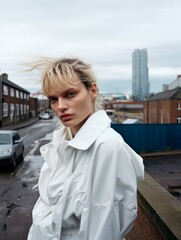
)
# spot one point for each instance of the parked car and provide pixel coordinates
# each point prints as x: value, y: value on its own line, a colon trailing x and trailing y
x: 11, y: 147
x: 45, y: 116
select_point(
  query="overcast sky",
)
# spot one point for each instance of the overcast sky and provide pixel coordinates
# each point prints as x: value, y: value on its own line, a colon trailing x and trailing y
x: 101, y: 32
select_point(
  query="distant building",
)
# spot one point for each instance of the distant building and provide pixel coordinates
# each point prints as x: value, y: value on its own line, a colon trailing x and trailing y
x: 113, y: 96
x: 164, y: 107
x: 33, y: 107
x: 119, y: 111
x: 165, y: 87
x: 14, y: 102
x: 42, y: 103
x: 140, y: 78
x: 175, y: 83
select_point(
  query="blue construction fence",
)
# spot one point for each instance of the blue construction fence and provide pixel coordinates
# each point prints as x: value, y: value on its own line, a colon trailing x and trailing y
x: 150, y: 137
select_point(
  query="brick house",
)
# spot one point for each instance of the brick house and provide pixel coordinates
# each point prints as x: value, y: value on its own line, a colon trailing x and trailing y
x: 14, y: 102
x: 33, y: 107
x: 164, y: 107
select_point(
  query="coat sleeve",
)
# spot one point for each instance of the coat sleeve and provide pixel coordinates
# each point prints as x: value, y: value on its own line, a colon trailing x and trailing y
x: 112, y: 204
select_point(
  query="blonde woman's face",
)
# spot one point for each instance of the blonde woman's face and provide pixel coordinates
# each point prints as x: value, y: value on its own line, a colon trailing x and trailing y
x: 73, y: 105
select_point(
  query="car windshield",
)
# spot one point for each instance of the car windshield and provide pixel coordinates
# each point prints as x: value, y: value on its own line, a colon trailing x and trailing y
x: 5, y: 139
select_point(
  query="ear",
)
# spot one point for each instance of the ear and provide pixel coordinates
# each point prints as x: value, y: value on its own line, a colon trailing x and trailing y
x: 93, y: 90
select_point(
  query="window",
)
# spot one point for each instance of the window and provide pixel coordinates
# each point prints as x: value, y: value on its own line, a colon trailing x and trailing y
x: 5, y: 138
x: 11, y: 112
x: 24, y: 95
x: 27, y: 108
x: 17, y: 93
x: 21, y: 95
x: 179, y: 120
x: 21, y: 109
x: 179, y: 106
x: 17, y: 109
x: 5, y: 109
x: 5, y: 90
x: 12, y: 92
x: 24, y: 109
x: 27, y: 97
x: 12, y: 109
x: 16, y: 137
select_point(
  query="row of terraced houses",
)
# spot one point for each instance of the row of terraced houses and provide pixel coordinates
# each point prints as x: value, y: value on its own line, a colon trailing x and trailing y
x: 15, y: 102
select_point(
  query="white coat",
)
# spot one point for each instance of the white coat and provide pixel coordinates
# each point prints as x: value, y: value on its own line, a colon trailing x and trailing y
x: 87, y: 185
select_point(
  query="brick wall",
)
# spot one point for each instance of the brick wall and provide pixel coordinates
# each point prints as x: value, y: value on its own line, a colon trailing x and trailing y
x: 162, y: 111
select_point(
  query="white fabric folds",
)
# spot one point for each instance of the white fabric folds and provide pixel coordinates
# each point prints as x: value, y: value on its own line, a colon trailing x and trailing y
x: 87, y: 185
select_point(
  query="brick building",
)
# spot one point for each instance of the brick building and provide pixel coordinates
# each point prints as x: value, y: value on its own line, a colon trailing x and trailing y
x: 14, y: 102
x: 164, y: 107
x: 33, y: 107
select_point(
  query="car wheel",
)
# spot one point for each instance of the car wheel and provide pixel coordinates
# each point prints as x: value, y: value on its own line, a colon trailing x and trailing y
x: 14, y: 163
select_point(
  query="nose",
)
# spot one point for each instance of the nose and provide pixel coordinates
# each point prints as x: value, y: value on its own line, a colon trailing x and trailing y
x: 62, y: 106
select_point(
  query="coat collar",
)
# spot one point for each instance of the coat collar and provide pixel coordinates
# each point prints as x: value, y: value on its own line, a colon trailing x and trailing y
x: 88, y: 133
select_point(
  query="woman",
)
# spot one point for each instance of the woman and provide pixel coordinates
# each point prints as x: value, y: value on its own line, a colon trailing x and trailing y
x: 88, y: 183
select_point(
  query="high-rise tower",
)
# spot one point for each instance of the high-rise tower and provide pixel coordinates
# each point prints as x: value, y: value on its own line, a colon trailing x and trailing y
x: 140, y: 79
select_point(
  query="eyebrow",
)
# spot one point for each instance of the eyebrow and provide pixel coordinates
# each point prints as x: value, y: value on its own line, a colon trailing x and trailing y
x: 66, y: 91
x: 51, y: 97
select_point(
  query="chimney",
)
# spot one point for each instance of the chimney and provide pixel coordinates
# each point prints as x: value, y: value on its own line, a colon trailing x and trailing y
x: 5, y: 76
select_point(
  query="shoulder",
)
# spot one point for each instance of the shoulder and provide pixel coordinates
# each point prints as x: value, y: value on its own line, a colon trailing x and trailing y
x: 109, y: 140
x: 110, y: 135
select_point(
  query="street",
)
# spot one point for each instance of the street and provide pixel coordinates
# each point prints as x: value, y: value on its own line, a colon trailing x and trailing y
x: 17, y: 192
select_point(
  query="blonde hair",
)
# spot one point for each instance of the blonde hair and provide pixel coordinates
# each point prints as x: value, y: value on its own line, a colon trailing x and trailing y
x: 64, y: 72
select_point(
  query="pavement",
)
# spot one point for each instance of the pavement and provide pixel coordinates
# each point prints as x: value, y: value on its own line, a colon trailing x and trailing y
x: 144, y: 228
x: 20, y: 125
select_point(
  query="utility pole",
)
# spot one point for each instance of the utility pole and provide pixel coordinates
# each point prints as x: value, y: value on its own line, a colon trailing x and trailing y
x: 1, y: 102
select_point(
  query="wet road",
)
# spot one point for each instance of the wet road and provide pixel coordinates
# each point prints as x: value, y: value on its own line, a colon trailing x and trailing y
x: 17, y: 195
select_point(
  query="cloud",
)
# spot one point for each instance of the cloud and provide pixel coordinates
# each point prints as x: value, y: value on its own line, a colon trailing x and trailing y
x: 104, y: 33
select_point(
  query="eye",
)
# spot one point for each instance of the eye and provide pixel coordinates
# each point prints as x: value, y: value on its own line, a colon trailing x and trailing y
x: 70, y: 94
x: 53, y: 99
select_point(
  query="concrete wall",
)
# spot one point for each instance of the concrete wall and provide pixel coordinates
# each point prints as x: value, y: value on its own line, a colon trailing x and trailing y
x: 163, y: 209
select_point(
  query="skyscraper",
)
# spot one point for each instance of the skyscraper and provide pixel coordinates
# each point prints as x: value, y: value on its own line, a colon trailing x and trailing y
x: 140, y: 79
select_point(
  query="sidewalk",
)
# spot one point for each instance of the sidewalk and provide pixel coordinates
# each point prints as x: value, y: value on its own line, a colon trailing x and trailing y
x: 21, y: 124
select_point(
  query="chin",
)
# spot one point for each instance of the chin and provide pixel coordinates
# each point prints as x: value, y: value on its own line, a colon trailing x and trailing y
x: 67, y: 124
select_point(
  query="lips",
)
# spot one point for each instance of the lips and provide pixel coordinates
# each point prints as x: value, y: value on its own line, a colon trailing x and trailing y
x: 66, y: 117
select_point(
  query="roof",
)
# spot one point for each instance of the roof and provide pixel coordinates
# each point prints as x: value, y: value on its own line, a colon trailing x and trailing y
x: 9, y: 83
x: 131, y: 120
x: 7, y: 131
x: 169, y: 94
